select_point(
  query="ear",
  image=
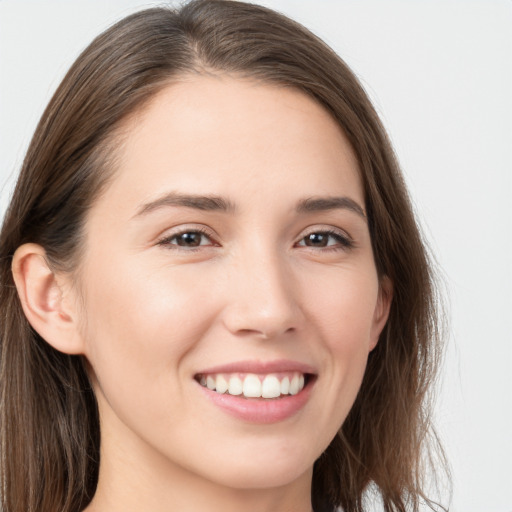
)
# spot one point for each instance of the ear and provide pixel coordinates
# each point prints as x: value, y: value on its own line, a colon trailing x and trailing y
x: 382, y: 308
x: 47, y: 299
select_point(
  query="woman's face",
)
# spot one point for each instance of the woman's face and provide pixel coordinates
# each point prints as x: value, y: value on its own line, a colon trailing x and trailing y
x: 231, y: 250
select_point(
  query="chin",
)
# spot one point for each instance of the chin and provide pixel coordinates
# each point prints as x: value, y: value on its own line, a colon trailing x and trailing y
x: 264, y: 477
x: 264, y: 467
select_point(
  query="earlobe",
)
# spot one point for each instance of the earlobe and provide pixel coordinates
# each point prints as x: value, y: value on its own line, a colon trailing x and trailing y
x: 382, y: 308
x: 46, y: 303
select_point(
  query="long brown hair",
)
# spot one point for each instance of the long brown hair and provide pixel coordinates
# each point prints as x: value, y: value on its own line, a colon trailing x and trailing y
x: 49, y: 422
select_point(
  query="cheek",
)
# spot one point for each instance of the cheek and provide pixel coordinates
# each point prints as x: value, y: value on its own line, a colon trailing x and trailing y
x: 343, y: 302
x: 139, y: 325
x: 343, y: 314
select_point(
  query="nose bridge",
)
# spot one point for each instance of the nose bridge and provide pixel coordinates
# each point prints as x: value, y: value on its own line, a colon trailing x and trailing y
x: 262, y: 299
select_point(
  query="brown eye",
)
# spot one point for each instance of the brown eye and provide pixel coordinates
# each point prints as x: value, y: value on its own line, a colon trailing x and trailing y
x: 317, y: 240
x: 325, y: 239
x: 187, y: 240
x: 191, y: 239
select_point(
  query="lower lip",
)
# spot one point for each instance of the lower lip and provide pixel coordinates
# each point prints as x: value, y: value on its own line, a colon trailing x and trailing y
x: 260, y: 410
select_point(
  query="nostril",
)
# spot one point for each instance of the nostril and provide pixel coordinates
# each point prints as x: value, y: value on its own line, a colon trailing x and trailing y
x: 272, y: 333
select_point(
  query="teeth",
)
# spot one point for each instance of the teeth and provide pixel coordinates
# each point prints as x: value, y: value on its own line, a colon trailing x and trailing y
x: 235, y: 386
x: 294, y: 385
x: 222, y: 385
x: 270, y: 387
x: 285, y: 386
x: 254, y: 386
x: 210, y: 382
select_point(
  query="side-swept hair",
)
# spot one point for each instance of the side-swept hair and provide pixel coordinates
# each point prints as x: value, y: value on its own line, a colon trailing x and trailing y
x: 49, y: 424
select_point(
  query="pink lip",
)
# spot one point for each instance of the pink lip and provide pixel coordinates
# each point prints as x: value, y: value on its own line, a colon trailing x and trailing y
x: 281, y: 365
x: 260, y: 410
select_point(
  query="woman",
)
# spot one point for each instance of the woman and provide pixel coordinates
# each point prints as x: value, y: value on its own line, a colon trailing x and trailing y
x: 215, y: 293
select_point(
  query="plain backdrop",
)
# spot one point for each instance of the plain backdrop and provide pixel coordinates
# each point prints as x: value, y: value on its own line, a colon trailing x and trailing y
x: 440, y: 75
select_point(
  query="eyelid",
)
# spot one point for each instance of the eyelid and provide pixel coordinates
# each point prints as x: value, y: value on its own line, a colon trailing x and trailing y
x: 164, y: 240
x: 347, y: 240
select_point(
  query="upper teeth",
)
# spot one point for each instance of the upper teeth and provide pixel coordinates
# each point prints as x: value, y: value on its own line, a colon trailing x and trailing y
x: 254, y: 386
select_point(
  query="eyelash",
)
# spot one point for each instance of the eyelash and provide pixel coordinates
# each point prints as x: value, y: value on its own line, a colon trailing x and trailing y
x: 343, y: 242
x: 167, y: 240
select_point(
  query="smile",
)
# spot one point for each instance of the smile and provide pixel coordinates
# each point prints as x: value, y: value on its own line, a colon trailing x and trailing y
x: 251, y: 385
x: 259, y: 392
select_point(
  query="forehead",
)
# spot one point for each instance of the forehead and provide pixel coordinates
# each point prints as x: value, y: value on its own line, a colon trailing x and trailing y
x: 229, y: 137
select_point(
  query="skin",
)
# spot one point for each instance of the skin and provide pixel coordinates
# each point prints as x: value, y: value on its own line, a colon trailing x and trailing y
x: 149, y: 314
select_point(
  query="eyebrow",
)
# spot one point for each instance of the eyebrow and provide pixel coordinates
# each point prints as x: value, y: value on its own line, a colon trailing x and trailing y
x: 220, y: 204
x: 319, y: 204
x: 198, y: 202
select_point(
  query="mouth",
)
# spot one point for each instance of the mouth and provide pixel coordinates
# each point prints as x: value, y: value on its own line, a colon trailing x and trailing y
x: 259, y: 392
x: 268, y: 386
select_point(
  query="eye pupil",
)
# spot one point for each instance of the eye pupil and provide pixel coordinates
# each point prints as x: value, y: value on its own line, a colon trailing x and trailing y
x: 317, y: 240
x: 189, y: 239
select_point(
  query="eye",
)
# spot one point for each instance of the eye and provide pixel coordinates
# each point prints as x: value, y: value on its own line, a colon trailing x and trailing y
x: 326, y: 239
x: 189, y: 239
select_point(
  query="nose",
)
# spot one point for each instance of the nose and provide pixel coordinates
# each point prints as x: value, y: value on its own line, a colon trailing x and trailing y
x: 262, y: 297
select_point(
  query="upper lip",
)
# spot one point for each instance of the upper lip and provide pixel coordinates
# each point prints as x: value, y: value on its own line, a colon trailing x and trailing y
x: 252, y: 366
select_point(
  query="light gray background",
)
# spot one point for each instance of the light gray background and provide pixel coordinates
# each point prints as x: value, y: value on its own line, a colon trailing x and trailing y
x: 440, y: 74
